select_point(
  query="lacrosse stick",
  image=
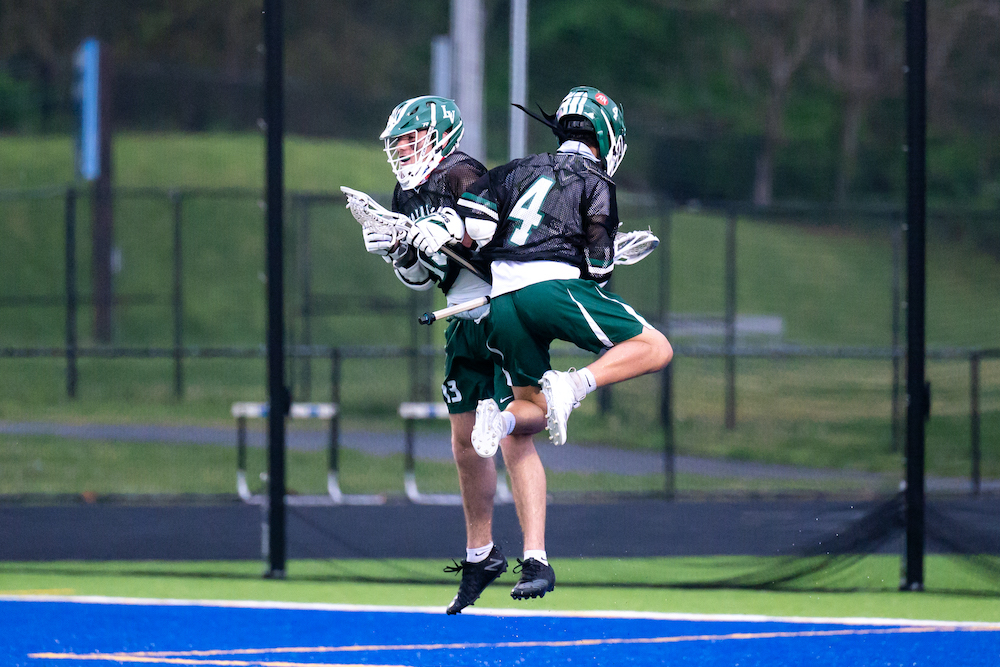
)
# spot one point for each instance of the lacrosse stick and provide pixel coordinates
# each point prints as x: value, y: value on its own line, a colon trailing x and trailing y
x: 630, y: 247
x: 375, y: 217
x: 430, y: 318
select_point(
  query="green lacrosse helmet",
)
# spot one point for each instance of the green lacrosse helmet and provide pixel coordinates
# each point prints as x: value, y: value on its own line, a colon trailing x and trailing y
x: 411, y: 156
x: 586, y: 105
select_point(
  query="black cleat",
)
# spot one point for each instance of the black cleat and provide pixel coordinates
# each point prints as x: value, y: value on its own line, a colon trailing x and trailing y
x: 475, y: 578
x: 537, y: 579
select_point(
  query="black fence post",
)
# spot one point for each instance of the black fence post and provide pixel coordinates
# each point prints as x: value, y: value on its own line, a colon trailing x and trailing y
x: 667, y: 420
x: 413, y: 352
x: 917, y: 390
x: 730, y: 323
x: 667, y: 374
x: 333, y: 462
x: 71, y: 293
x: 178, y: 297
x: 278, y: 390
x: 897, y: 270
x: 974, y: 360
x: 429, y: 358
x: 301, y: 206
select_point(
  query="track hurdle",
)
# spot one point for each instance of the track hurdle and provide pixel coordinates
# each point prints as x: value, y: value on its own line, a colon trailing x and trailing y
x: 411, y: 413
x: 247, y: 410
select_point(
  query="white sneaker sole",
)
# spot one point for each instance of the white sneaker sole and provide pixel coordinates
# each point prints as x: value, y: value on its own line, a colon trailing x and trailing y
x: 557, y: 429
x: 485, y: 435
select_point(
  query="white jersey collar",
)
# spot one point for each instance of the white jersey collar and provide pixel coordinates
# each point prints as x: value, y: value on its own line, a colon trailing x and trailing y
x: 579, y: 148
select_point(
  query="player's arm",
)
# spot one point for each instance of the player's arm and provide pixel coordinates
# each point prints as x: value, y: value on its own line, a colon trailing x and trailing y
x: 480, y: 212
x: 600, y: 223
x: 445, y: 226
x: 413, y: 271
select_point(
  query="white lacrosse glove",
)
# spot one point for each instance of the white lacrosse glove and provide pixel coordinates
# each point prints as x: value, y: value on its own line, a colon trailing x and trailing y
x: 378, y: 243
x: 432, y: 231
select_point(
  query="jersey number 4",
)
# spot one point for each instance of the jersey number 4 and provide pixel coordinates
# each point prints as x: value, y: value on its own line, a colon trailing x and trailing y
x: 527, y: 210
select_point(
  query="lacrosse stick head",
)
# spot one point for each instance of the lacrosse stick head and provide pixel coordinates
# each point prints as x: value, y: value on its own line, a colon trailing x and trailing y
x: 419, y: 134
x: 372, y: 216
x: 632, y: 246
x: 586, y: 107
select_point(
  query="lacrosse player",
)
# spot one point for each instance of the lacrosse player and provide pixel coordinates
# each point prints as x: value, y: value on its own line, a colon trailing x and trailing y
x: 548, y: 222
x: 421, y: 141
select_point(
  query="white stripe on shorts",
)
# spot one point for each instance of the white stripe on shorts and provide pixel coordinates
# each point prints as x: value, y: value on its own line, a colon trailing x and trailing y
x: 506, y: 375
x: 629, y: 309
x: 601, y: 336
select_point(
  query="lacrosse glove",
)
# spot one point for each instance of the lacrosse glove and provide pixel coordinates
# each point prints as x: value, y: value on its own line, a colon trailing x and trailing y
x: 432, y: 231
x: 385, y: 245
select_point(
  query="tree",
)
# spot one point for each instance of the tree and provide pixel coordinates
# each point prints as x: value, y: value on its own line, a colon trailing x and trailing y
x: 863, y: 58
x: 779, y: 36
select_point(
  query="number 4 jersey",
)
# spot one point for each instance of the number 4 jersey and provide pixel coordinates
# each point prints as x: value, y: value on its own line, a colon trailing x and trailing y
x: 549, y: 207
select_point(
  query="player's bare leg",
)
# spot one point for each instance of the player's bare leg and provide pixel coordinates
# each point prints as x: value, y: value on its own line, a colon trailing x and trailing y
x: 477, y: 477
x: 527, y: 479
x: 493, y: 424
x: 529, y: 488
x: 647, y: 352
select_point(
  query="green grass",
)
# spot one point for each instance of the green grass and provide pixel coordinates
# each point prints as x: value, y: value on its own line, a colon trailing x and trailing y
x: 199, y: 160
x: 635, y: 584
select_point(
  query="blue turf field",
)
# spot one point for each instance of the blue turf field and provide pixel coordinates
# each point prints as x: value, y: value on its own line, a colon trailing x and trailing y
x: 43, y: 632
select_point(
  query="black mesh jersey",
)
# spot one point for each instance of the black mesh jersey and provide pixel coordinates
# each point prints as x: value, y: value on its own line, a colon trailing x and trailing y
x: 558, y: 207
x: 443, y: 187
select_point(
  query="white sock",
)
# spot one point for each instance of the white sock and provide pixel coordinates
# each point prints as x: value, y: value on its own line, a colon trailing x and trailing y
x: 537, y: 554
x: 583, y: 382
x: 478, y: 554
x: 508, y: 422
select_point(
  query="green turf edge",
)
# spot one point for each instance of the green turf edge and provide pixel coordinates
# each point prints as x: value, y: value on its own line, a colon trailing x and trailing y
x: 336, y: 581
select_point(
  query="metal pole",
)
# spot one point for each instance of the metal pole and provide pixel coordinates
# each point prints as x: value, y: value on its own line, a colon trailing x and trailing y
x: 71, y: 293
x: 277, y: 390
x: 441, y: 66
x: 916, y: 388
x: 468, y: 65
x: 518, y: 77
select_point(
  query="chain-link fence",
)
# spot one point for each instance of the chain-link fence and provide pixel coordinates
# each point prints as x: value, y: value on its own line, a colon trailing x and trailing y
x: 788, y: 374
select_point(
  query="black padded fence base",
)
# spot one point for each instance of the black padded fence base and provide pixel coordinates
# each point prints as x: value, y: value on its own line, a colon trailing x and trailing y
x: 626, y: 528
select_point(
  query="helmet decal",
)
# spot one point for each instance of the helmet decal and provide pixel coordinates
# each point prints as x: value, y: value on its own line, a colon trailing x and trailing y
x: 606, y: 117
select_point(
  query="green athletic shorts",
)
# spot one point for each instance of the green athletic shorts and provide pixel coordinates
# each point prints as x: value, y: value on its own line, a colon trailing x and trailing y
x: 523, y: 323
x: 470, y: 371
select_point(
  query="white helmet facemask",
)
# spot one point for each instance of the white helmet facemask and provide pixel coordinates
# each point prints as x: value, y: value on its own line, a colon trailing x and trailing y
x: 413, y: 157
